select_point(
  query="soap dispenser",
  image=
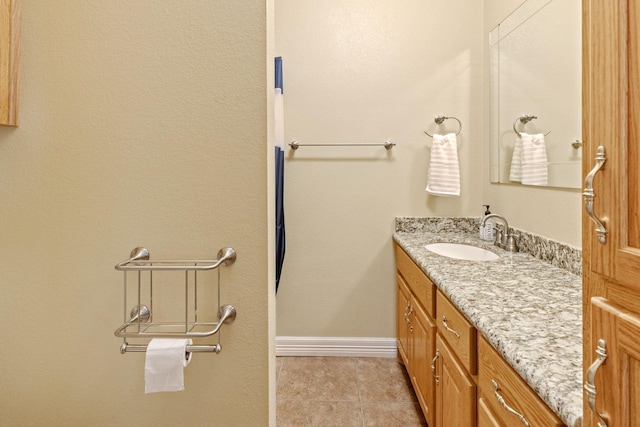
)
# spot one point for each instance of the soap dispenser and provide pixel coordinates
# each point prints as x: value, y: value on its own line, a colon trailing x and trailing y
x: 488, y: 232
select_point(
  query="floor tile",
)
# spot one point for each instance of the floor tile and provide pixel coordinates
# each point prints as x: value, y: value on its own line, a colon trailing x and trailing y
x: 345, y: 392
x: 308, y: 413
x: 318, y: 378
x: 393, y: 414
x: 383, y: 380
x: 279, y: 361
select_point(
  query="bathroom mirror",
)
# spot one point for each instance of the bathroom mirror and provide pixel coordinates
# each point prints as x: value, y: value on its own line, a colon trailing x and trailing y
x: 535, y: 70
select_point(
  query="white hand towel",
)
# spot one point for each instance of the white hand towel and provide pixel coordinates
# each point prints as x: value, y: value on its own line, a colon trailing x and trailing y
x: 534, y: 160
x: 516, y: 160
x: 444, y: 169
x: 164, y: 365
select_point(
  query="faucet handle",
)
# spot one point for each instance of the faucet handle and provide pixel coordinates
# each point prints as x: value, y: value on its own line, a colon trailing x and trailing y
x: 511, y: 243
x: 498, y: 242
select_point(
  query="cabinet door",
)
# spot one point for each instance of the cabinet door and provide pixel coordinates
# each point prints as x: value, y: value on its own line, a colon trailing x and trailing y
x: 423, y: 337
x: 455, y: 390
x: 611, y: 105
x: 486, y: 418
x: 617, y: 380
x: 403, y: 307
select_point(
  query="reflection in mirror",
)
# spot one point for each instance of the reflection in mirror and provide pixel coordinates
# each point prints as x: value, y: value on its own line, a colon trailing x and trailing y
x: 535, y: 70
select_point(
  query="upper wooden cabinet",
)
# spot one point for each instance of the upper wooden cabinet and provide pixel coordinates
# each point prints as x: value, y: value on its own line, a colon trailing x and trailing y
x: 9, y: 61
x: 611, y: 111
x: 611, y: 107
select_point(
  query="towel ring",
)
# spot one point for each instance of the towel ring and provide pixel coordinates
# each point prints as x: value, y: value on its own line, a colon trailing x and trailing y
x: 524, y: 119
x: 440, y: 119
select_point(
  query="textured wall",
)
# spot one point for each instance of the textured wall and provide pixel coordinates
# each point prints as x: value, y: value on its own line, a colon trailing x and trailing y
x: 363, y: 71
x: 142, y: 123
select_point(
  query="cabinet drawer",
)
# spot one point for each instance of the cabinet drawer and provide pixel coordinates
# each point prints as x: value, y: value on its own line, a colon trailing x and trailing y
x: 457, y: 331
x: 494, y: 370
x: 420, y: 285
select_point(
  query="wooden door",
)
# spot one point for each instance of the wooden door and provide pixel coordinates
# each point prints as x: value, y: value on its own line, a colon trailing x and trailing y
x: 423, y: 351
x: 611, y: 113
x: 486, y: 417
x: 617, y: 380
x: 403, y: 307
x: 455, y: 390
x: 611, y: 107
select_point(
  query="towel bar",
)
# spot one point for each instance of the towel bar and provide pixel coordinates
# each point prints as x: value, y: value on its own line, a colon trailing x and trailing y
x: 387, y: 144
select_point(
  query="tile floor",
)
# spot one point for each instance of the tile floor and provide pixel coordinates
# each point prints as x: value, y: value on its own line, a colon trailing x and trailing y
x: 345, y: 392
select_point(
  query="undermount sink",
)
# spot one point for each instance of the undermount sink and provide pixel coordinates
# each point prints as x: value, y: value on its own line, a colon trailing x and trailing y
x: 462, y: 251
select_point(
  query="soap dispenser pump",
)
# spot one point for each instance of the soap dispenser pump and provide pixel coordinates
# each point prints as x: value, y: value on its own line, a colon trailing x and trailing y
x: 488, y: 232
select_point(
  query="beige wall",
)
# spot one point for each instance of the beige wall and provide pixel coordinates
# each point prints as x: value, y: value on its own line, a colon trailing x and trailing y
x: 358, y: 72
x: 364, y: 71
x: 142, y: 123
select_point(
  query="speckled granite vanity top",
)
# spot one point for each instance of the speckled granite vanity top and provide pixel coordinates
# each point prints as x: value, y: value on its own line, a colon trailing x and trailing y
x: 527, y: 308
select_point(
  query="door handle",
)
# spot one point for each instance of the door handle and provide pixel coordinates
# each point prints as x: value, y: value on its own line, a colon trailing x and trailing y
x: 590, y: 384
x: 589, y: 195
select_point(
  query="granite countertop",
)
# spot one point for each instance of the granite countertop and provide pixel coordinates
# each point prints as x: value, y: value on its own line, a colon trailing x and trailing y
x: 528, y: 309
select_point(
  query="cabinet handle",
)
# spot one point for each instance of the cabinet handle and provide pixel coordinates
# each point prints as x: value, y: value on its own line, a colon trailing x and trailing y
x: 589, y: 195
x: 406, y: 312
x: 409, y: 313
x: 506, y: 406
x: 590, y: 384
x: 446, y: 326
x: 433, y: 367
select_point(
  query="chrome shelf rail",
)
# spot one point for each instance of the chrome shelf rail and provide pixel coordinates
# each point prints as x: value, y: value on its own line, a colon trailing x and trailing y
x: 139, y: 322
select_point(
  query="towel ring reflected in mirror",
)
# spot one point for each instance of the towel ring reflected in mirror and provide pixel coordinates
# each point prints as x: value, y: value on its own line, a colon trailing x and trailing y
x: 524, y: 119
x: 440, y: 119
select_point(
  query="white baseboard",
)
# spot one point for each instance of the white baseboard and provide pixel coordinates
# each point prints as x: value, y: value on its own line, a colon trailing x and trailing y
x: 336, y: 346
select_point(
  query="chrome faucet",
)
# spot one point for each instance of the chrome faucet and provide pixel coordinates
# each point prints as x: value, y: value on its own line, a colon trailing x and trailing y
x: 505, y: 241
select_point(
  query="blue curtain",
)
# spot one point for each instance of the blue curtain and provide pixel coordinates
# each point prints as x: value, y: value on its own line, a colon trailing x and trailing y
x: 279, y: 151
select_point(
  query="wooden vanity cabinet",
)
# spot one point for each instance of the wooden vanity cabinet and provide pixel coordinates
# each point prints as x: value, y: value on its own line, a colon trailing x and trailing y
x: 456, y: 330
x: 450, y: 365
x: 455, y: 364
x: 455, y: 389
x: 611, y: 261
x: 416, y: 330
x: 403, y: 304
x: 506, y: 399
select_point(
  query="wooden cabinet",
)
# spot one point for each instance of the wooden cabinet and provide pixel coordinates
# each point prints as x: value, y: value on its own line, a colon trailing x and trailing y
x: 416, y: 330
x: 451, y: 369
x: 455, y: 390
x: 611, y: 265
x: 486, y: 417
x: 403, y: 326
x: 457, y: 332
x: 508, y: 400
x: 422, y: 377
x: 617, y: 380
x: 9, y: 61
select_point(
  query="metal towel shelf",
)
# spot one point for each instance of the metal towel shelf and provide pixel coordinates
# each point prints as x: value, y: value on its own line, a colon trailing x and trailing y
x: 139, y: 321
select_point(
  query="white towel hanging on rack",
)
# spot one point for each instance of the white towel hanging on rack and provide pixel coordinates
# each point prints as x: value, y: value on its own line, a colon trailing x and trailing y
x: 444, y: 168
x: 534, y: 160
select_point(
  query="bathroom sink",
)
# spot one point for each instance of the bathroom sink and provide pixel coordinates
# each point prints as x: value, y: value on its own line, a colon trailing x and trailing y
x: 462, y: 251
